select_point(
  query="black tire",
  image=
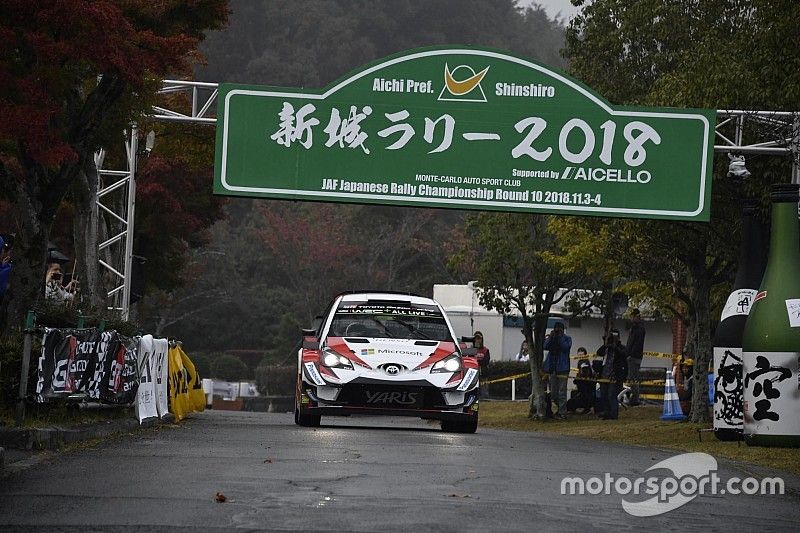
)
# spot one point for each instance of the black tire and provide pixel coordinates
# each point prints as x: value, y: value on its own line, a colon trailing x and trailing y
x: 306, y: 420
x: 297, y: 401
x: 452, y: 426
x: 301, y: 418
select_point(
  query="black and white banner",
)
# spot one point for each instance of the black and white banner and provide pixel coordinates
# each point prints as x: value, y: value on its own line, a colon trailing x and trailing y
x: 146, y: 395
x: 101, y: 366
x: 152, y: 399
x: 160, y: 369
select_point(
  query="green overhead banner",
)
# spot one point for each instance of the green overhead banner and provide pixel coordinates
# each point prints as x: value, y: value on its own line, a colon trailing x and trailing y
x: 464, y: 128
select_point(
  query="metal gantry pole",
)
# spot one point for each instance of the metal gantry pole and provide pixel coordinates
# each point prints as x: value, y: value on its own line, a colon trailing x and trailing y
x: 116, y: 251
x: 133, y: 151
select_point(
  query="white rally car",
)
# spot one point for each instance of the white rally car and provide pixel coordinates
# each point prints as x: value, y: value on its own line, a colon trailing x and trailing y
x: 386, y: 354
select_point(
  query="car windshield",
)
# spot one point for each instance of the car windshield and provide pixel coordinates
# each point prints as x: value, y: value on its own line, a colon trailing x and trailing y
x: 400, y: 320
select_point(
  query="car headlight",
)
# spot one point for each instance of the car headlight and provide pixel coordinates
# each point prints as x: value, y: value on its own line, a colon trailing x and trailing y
x: 332, y: 359
x: 451, y: 363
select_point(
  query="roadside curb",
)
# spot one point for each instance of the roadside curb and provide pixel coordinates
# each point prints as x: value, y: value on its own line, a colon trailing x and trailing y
x: 53, y: 437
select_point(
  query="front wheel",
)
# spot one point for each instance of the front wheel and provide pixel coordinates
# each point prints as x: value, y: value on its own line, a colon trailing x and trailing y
x: 306, y: 420
x: 453, y: 426
x: 301, y: 418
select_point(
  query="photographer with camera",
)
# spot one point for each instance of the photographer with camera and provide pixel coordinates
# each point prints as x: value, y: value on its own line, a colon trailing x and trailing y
x: 558, y: 346
x: 54, y: 284
x: 615, y: 369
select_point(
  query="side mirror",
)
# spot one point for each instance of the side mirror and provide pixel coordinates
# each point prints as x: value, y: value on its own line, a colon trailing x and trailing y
x: 469, y: 340
x: 469, y: 352
x: 310, y: 340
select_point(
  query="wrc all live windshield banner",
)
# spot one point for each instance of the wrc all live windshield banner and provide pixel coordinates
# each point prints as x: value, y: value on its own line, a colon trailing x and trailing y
x: 464, y: 128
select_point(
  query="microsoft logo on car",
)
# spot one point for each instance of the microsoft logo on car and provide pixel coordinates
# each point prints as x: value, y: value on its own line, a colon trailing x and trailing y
x: 399, y: 352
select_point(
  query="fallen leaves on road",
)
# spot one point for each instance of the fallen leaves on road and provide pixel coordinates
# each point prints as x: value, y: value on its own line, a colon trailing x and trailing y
x: 220, y: 498
x: 267, y: 460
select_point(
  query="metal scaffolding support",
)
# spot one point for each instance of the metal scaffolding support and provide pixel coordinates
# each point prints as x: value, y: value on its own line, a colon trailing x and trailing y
x: 202, y: 97
x: 760, y: 133
x: 116, y: 198
x: 775, y: 133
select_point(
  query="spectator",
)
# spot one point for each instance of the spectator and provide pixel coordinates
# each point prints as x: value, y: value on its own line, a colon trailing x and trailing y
x: 523, y: 356
x: 615, y: 368
x: 482, y: 354
x: 585, y: 383
x: 5, y: 266
x: 635, y: 347
x: 558, y: 346
x: 55, y: 289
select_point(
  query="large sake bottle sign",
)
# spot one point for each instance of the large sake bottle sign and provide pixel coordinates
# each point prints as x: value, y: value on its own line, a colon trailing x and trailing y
x: 464, y: 128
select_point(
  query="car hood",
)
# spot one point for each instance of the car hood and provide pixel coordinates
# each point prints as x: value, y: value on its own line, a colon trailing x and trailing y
x: 372, y: 352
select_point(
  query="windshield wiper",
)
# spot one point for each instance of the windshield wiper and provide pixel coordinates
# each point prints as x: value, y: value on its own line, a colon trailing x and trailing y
x: 413, y: 329
x: 381, y: 324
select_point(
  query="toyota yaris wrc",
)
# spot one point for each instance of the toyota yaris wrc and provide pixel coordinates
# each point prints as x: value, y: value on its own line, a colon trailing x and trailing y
x: 386, y: 354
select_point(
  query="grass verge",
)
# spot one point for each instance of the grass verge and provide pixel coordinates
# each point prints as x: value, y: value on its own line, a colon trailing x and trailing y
x: 642, y: 426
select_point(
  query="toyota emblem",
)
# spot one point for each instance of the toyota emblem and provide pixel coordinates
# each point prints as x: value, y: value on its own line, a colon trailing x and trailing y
x: 392, y: 370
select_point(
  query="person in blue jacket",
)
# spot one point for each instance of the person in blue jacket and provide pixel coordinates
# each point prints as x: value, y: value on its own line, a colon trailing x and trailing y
x: 5, y: 266
x: 558, y: 346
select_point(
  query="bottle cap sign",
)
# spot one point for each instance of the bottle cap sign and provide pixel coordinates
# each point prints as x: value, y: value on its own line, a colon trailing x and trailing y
x: 738, y: 303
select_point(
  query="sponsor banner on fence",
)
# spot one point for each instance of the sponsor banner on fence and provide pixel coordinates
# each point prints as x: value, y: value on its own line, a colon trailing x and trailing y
x: 146, y: 395
x: 185, y: 387
x: 161, y: 375
x: 197, y: 400
x: 101, y: 366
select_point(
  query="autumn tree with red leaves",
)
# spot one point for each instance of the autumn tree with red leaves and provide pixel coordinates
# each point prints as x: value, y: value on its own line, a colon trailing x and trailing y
x: 175, y: 208
x: 73, y: 75
x: 311, y: 244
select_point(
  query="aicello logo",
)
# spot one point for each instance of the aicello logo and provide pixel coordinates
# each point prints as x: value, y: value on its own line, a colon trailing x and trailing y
x: 463, y: 84
x: 690, y: 475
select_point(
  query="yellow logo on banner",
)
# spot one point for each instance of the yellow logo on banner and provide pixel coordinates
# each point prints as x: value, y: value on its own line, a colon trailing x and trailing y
x: 467, y: 89
x: 185, y: 387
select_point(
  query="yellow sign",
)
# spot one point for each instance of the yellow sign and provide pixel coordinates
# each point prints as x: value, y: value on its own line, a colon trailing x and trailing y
x: 185, y: 387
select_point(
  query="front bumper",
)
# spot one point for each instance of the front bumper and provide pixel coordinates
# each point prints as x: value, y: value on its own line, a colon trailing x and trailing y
x: 333, y: 410
x: 393, y: 399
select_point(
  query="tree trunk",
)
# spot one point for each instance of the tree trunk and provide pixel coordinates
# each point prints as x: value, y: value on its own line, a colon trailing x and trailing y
x: 535, y: 329
x: 30, y: 251
x: 85, y: 234
x: 703, y: 344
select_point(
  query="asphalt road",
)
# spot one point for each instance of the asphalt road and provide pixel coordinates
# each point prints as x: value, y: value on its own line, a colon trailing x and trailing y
x: 354, y: 475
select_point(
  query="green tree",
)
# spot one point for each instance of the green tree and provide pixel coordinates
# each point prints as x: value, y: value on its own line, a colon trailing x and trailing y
x: 73, y: 75
x: 506, y: 254
x: 726, y: 54
x: 228, y: 368
x: 340, y: 35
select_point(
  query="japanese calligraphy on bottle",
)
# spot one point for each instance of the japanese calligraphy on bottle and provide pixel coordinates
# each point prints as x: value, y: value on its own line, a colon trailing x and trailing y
x: 771, y: 390
x: 464, y: 128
